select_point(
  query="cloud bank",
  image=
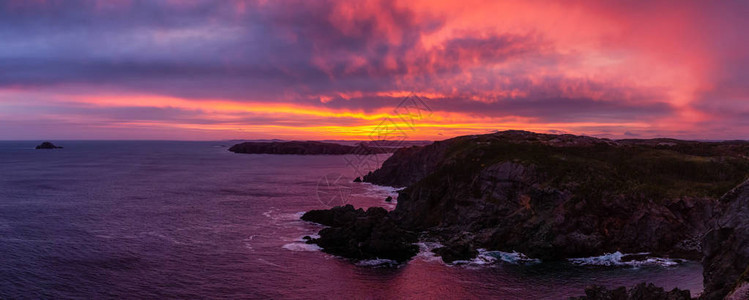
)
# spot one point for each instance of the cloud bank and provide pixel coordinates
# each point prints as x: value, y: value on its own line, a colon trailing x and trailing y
x: 334, y: 69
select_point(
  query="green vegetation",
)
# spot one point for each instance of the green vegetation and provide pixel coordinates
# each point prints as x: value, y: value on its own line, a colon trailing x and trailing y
x: 595, y: 168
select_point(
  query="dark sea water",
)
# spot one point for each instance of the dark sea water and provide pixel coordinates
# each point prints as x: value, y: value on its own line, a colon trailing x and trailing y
x: 192, y: 220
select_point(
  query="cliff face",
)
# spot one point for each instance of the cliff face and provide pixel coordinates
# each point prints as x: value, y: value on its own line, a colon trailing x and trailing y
x: 409, y: 165
x: 555, y: 196
x: 726, y: 248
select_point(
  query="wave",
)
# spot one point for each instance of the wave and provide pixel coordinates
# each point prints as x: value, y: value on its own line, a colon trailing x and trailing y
x: 492, y: 257
x: 377, y: 262
x: 379, y: 191
x: 483, y: 258
x: 275, y: 215
x: 383, y: 189
x: 514, y: 257
x: 622, y: 259
x: 425, y: 251
x: 301, y: 247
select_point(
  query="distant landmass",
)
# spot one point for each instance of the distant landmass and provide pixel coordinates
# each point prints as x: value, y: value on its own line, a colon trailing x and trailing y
x: 316, y: 148
x: 555, y: 197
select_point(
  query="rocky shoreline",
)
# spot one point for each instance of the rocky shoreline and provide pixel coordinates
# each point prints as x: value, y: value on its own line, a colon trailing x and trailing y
x: 641, y: 291
x: 554, y: 197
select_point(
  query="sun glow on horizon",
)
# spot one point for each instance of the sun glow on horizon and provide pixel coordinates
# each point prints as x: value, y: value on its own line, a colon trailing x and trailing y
x: 337, y: 69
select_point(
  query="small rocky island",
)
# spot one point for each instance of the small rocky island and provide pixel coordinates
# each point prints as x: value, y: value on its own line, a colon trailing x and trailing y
x: 360, y: 234
x: 306, y: 148
x: 554, y: 197
x: 47, y: 145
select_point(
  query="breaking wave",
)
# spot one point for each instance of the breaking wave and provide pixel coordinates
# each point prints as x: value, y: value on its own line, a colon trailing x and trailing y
x: 621, y: 259
x: 297, y: 246
x: 377, y: 262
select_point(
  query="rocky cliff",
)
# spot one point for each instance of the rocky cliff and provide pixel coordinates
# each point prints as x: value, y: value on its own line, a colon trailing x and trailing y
x: 556, y: 196
x: 726, y: 248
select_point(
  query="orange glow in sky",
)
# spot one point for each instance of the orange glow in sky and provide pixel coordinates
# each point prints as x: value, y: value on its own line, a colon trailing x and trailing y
x: 338, y: 69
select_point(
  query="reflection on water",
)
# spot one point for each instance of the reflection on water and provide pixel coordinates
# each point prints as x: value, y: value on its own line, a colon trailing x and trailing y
x: 190, y: 219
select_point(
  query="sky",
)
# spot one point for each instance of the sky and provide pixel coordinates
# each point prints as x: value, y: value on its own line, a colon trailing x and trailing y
x: 312, y: 70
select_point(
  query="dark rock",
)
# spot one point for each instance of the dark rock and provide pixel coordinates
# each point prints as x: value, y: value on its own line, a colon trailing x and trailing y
x: 597, y: 292
x: 650, y: 291
x: 641, y: 291
x: 408, y: 165
x: 726, y: 248
x: 741, y: 291
x: 358, y: 179
x: 359, y: 234
x: 635, y: 257
x: 459, y: 248
x: 47, y: 145
x: 389, y: 199
x: 335, y: 217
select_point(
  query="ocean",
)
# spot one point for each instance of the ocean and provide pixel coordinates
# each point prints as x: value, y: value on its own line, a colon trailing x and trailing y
x: 158, y: 219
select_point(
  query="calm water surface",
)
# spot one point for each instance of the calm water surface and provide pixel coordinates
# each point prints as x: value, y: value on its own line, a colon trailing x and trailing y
x: 192, y: 220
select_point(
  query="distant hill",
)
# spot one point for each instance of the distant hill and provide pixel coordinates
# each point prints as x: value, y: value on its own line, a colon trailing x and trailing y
x: 307, y: 148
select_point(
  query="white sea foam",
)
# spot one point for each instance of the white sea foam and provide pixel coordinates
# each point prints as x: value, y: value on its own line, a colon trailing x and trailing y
x: 492, y: 257
x: 425, y: 251
x: 483, y: 258
x: 377, y: 262
x: 269, y: 213
x: 270, y: 263
x: 304, y: 247
x: 288, y: 216
x: 617, y: 259
x: 383, y: 189
x: 379, y: 191
x: 283, y: 219
x: 313, y: 236
x: 301, y: 238
x: 513, y: 257
x: 294, y: 216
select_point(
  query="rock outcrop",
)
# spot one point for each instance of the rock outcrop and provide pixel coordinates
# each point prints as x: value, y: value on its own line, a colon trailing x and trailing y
x: 359, y: 234
x: 47, y: 145
x: 726, y: 248
x: 306, y: 148
x: 409, y: 165
x: 641, y: 291
x: 560, y: 196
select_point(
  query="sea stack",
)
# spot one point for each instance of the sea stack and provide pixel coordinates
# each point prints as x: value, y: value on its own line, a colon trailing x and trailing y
x: 47, y: 145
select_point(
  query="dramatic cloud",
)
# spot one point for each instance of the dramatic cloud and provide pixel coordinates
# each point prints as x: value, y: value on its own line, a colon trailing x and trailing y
x: 335, y: 69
